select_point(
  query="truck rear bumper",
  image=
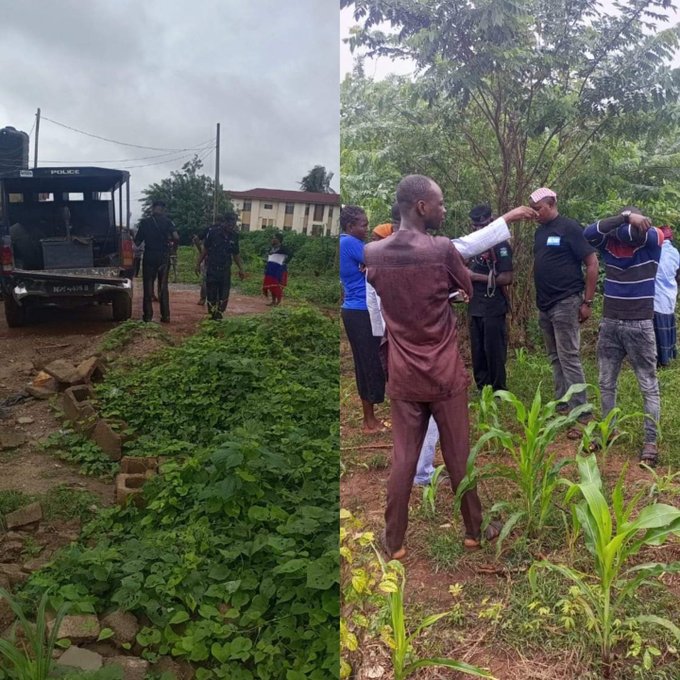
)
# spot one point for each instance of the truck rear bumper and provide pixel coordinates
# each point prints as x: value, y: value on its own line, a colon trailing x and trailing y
x: 23, y: 286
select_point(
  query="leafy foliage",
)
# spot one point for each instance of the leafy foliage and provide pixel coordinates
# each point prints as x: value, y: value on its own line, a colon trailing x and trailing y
x: 318, y: 180
x: 533, y: 469
x: 613, y: 538
x: 233, y: 560
x: 189, y: 197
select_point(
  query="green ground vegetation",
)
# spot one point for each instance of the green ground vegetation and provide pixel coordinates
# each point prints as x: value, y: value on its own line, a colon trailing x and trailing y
x: 232, y: 562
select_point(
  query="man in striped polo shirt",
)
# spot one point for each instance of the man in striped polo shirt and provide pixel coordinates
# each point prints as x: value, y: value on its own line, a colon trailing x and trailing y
x: 631, y: 249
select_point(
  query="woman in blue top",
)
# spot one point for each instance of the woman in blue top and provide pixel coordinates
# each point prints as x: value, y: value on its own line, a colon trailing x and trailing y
x: 368, y: 370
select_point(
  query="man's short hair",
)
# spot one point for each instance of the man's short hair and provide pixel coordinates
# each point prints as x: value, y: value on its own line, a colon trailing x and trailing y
x: 413, y: 188
x: 349, y: 216
x: 480, y: 213
x: 396, y: 214
x: 158, y: 204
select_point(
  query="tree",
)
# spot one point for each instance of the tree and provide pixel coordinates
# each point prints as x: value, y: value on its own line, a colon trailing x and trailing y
x: 527, y: 90
x: 317, y: 180
x: 189, y: 197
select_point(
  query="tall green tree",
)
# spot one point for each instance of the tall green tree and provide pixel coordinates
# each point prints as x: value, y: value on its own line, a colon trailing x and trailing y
x: 189, y: 196
x: 525, y: 91
x: 318, y: 180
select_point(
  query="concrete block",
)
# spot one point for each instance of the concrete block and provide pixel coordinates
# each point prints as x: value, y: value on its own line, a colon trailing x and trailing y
x: 11, y: 440
x: 129, y: 486
x: 124, y: 626
x: 78, y: 628
x: 29, y: 514
x: 138, y: 465
x: 133, y: 668
x: 13, y: 573
x: 61, y: 370
x: 88, y: 371
x: 108, y: 440
x: 79, y: 409
x: 44, y: 391
x: 84, y: 659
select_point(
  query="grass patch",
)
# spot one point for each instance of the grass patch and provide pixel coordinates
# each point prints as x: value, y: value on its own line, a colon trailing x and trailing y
x: 73, y: 447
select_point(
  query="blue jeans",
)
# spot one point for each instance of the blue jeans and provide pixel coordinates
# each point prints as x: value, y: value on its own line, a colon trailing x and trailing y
x: 635, y: 340
x: 562, y: 335
x: 425, y: 468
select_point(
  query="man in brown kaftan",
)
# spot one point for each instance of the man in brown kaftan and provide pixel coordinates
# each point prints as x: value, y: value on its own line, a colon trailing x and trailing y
x: 415, y: 275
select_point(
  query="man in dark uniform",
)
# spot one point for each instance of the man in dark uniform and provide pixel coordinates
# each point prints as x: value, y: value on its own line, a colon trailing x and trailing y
x: 490, y: 273
x: 157, y: 232
x: 220, y: 245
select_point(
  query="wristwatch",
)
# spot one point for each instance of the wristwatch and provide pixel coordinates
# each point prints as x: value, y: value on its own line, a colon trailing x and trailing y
x: 588, y: 303
x: 626, y: 215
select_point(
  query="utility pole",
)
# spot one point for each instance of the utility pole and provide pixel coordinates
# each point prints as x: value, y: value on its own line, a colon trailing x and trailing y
x: 37, y: 132
x: 217, y: 172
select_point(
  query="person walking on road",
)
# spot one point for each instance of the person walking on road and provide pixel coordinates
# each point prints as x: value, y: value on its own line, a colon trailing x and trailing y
x: 220, y: 246
x: 157, y: 232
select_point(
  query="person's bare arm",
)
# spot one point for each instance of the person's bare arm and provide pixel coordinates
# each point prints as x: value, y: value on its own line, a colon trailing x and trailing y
x: 239, y: 264
x: 592, y: 269
x: 504, y: 279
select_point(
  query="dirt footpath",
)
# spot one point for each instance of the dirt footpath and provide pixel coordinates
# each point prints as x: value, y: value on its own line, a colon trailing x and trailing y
x: 74, y: 335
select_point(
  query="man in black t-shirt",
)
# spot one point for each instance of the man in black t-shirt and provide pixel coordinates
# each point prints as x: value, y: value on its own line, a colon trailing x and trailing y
x: 490, y: 273
x: 157, y: 232
x: 220, y: 245
x: 564, y: 301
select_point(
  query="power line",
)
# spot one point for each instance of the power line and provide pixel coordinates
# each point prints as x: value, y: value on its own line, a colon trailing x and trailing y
x: 114, y: 141
x: 116, y: 160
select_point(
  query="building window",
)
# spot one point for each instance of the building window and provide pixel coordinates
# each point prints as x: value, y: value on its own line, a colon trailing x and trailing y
x: 317, y: 229
x: 330, y: 213
x: 266, y: 222
x: 304, y: 230
x: 328, y: 231
x: 245, y: 227
x: 318, y: 213
x: 290, y: 208
x: 247, y: 206
x: 287, y: 228
x: 306, y: 210
x: 268, y: 206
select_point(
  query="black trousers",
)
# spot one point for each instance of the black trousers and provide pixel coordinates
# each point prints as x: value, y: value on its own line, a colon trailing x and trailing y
x: 217, y: 289
x: 365, y: 346
x: 489, y: 345
x: 155, y: 267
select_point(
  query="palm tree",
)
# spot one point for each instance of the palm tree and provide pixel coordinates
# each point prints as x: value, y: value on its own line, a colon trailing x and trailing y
x: 317, y: 180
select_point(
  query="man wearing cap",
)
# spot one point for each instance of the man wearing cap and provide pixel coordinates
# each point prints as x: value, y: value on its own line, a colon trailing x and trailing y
x: 631, y: 249
x: 563, y: 299
x: 490, y: 273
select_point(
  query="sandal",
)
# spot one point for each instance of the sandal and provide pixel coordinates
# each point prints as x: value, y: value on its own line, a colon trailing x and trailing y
x: 396, y: 555
x: 493, y: 531
x: 649, y: 455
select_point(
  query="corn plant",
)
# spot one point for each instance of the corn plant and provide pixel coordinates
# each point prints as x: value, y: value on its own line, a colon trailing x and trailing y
x: 613, y: 538
x: 430, y: 491
x: 30, y: 659
x: 601, y: 435
x: 663, y: 484
x: 403, y: 661
x: 532, y: 468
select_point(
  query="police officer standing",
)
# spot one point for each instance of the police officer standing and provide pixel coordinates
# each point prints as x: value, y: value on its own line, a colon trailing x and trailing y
x: 491, y: 272
x: 157, y: 232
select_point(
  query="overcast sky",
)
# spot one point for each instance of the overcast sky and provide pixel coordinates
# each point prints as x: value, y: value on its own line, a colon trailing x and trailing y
x: 162, y: 73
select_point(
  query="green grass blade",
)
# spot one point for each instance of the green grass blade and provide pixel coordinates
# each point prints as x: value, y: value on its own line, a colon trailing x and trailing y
x: 659, y: 621
x: 459, y: 666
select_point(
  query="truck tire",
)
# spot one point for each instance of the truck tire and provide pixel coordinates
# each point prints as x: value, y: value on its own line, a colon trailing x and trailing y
x: 122, y: 307
x: 15, y: 314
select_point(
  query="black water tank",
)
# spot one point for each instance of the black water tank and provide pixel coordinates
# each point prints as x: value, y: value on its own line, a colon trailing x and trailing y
x: 13, y: 150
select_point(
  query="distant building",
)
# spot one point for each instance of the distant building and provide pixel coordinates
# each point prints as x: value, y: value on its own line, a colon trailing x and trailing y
x: 301, y: 211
